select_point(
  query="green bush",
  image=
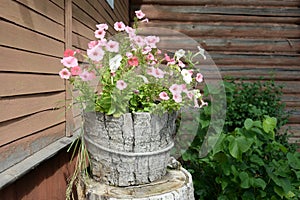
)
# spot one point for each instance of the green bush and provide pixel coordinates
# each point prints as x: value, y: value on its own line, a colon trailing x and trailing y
x: 247, y: 163
x: 253, y: 100
x: 251, y: 160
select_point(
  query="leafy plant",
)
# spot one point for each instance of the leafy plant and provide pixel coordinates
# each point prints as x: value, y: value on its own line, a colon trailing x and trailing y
x: 247, y: 105
x: 253, y: 100
x: 247, y: 163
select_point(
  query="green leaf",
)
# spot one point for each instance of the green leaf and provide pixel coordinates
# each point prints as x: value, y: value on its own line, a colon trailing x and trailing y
x: 239, y: 145
x: 293, y: 161
x: 269, y: 124
x: 245, y: 181
x: 248, y: 124
x: 258, y: 182
x: 219, y: 144
x: 279, y: 191
x: 256, y: 159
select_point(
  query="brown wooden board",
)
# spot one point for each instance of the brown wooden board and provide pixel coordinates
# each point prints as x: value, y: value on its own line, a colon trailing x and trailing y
x: 286, y: 3
x: 20, y: 38
x: 15, y: 107
x: 31, y: 20
x: 22, y: 127
x: 17, y: 151
x: 46, y: 8
x: 14, y: 60
x: 20, y: 84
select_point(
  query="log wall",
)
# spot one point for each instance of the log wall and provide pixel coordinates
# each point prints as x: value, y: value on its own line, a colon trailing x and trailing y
x: 33, y: 36
x: 248, y: 38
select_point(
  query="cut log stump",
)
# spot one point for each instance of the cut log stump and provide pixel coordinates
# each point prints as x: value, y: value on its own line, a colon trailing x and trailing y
x: 175, y: 185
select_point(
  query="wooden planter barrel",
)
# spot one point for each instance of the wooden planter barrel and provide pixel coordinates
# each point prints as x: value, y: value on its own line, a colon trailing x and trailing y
x: 133, y: 149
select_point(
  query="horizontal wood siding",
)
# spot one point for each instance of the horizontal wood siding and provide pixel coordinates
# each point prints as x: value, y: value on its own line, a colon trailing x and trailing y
x: 248, y: 38
x: 31, y: 94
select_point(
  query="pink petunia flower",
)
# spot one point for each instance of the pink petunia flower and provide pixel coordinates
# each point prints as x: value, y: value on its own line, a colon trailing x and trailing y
x: 150, y: 56
x: 130, y: 31
x: 146, y: 50
x: 121, y: 85
x: 199, y: 77
x: 69, y: 61
x: 133, y: 61
x: 181, y: 64
x: 156, y: 72
x: 190, y: 94
x: 177, y: 97
x: 151, y: 41
x: 75, y: 71
x: 119, y: 26
x: 112, y: 46
x: 139, y: 40
x: 139, y: 14
x: 69, y: 52
x: 171, y: 61
x: 92, y: 44
x: 183, y: 88
x: 100, y: 33
x: 175, y: 89
x: 102, y: 26
x: 64, y: 73
x: 96, y: 53
x: 129, y: 54
x: 87, y: 76
x: 164, y: 96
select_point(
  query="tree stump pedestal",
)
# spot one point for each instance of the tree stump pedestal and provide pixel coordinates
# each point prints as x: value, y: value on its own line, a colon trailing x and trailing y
x: 175, y: 185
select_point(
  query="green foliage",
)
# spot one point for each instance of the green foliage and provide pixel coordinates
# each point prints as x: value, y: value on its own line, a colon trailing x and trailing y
x: 250, y: 159
x: 247, y: 163
x: 253, y: 100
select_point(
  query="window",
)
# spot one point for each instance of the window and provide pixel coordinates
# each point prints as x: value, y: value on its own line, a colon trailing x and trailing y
x: 111, y: 3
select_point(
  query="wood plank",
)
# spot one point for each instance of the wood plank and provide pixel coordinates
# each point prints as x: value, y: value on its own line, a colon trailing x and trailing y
x: 22, y: 127
x: 232, y: 44
x: 89, y: 10
x: 233, y: 10
x: 153, y: 12
x: 18, y: 37
x: 15, y: 107
x: 122, y: 7
x: 80, y: 42
x: 46, y: 8
x: 102, y: 7
x: 294, y: 115
x: 30, y: 19
x: 81, y: 29
x: 24, y: 147
x: 256, y: 74
x: 82, y: 17
x: 228, y: 30
x: 59, y: 3
x: 244, y: 59
x: 13, y: 60
x: 20, y: 84
x: 288, y: 3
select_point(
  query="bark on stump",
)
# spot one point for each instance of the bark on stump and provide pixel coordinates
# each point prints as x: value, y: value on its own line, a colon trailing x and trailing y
x: 175, y: 185
x: 130, y: 150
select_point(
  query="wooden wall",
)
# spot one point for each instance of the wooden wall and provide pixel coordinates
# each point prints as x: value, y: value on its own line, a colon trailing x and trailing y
x: 31, y: 92
x: 244, y: 38
x: 33, y: 36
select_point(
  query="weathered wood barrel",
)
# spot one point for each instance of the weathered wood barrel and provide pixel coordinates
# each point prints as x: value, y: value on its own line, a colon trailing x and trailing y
x: 175, y: 185
x: 130, y: 150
